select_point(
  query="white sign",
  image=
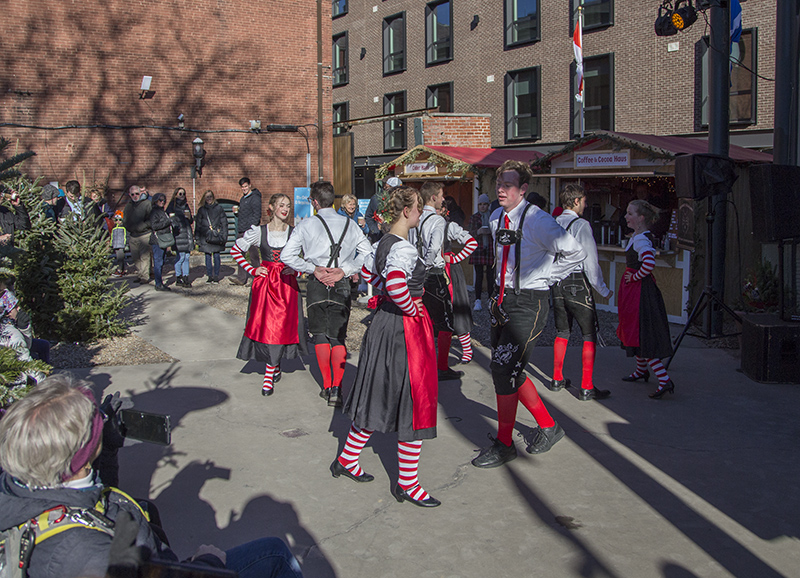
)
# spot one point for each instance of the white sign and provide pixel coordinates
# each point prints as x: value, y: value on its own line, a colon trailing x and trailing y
x: 603, y: 160
x: 421, y: 169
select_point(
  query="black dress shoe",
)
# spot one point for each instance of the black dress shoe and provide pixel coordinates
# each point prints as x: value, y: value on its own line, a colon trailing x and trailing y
x: 400, y: 494
x: 659, y: 393
x: 448, y: 374
x: 633, y: 377
x: 495, y: 455
x: 338, y: 469
x: 324, y: 393
x: 276, y: 377
x: 267, y: 392
x: 594, y: 393
x: 335, y: 397
x: 558, y: 384
x: 543, y: 439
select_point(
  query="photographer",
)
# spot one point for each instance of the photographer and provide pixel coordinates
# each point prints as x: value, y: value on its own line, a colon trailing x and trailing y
x: 12, y: 221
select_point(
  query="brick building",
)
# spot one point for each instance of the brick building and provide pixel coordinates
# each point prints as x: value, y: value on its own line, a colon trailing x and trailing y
x: 220, y: 65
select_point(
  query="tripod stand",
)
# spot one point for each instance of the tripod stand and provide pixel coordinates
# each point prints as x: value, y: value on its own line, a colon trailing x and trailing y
x: 708, y: 298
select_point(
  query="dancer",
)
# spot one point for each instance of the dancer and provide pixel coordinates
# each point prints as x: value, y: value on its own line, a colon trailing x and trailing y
x: 643, y: 326
x: 395, y: 388
x: 528, y: 241
x: 334, y: 249
x: 572, y: 297
x: 275, y: 326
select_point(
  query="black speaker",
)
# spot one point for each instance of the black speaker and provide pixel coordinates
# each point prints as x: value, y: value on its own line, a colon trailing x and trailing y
x: 770, y: 349
x: 775, y: 202
x: 701, y: 176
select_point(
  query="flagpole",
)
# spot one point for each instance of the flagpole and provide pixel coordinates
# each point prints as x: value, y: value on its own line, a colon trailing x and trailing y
x: 580, y: 23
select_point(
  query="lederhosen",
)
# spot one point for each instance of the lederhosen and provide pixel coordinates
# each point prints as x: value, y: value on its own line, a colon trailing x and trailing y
x: 573, y: 299
x: 462, y: 312
x: 437, y: 297
x: 329, y: 307
x: 516, y: 324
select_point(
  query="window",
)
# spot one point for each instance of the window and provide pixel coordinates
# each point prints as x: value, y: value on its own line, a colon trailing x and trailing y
x: 522, y: 104
x: 394, y: 131
x: 743, y: 82
x: 598, y: 95
x: 340, y: 59
x: 394, y: 44
x: 341, y: 111
x: 440, y: 96
x: 522, y: 22
x: 338, y: 8
x: 438, y: 33
x: 596, y: 14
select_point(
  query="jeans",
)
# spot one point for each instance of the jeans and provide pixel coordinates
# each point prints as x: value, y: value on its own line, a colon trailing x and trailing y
x: 480, y: 271
x: 215, y: 271
x: 158, y: 263
x: 182, y: 264
x: 263, y: 558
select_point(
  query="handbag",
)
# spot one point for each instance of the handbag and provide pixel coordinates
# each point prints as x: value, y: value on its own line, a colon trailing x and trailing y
x: 215, y: 236
x: 165, y: 240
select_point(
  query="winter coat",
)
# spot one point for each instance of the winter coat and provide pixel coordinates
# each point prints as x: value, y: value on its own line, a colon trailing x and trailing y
x: 136, y: 217
x: 249, y: 211
x: 215, y: 215
x: 182, y: 225
x: 16, y: 220
x: 161, y: 225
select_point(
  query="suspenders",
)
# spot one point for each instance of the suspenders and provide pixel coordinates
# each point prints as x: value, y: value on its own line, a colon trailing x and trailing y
x: 335, y: 247
x: 517, y: 245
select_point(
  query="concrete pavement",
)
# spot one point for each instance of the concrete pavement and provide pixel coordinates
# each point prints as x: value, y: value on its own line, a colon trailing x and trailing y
x: 702, y: 483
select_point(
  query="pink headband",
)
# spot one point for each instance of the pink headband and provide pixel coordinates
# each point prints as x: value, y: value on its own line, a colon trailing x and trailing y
x: 83, y: 455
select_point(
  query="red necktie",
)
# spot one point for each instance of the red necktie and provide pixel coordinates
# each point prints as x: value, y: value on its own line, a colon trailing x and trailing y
x: 506, y: 249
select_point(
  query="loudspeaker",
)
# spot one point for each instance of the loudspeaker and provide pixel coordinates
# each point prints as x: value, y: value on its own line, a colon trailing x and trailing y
x: 701, y: 176
x: 775, y: 202
x: 770, y: 349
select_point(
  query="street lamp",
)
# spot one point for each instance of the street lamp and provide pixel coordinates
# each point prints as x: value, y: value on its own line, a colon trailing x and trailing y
x: 199, y: 153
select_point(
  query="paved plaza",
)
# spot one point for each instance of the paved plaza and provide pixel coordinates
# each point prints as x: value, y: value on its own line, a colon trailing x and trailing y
x: 703, y: 483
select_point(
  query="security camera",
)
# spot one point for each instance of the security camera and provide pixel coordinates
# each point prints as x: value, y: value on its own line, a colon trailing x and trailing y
x: 180, y: 116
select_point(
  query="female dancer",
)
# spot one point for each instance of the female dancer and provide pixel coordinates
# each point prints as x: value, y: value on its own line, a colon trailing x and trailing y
x: 396, y: 386
x: 643, y: 327
x: 275, y: 326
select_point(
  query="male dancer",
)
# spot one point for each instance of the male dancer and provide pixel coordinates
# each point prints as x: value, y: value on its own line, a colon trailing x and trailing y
x: 527, y: 242
x: 572, y: 297
x: 334, y: 249
x: 428, y: 237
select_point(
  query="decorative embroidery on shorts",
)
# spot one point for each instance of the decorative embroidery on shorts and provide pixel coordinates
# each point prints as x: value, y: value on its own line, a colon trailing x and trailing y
x: 503, y: 354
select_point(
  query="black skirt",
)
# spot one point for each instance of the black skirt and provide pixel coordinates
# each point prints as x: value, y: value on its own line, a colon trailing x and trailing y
x: 654, y: 338
x: 462, y: 312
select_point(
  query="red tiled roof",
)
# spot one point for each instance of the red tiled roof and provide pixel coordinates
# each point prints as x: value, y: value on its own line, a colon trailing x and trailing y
x: 492, y: 158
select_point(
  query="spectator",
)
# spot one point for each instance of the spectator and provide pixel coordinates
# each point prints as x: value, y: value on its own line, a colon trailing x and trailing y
x: 212, y: 233
x: 10, y: 335
x: 136, y: 218
x: 99, y: 208
x: 161, y: 238
x: 349, y: 208
x: 119, y: 239
x: 12, y: 221
x: 374, y: 231
x: 249, y: 215
x: 50, y: 201
x: 482, y: 259
x: 178, y: 210
x: 74, y: 205
x: 454, y: 213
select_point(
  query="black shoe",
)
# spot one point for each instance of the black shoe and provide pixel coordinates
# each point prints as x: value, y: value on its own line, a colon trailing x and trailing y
x: 276, y: 377
x: 162, y: 288
x: 235, y: 281
x: 335, y: 396
x: 659, y: 393
x: 633, y: 377
x: 210, y: 280
x: 543, y: 439
x: 400, y: 494
x: 325, y: 393
x: 215, y: 280
x: 179, y: 281
x: 558, y: 384
x: 186, y: 282
x: 594, y: 393
x: 495, y: 455
x: 267, y: 392
x: 448, y: 374
x: 337, y: 469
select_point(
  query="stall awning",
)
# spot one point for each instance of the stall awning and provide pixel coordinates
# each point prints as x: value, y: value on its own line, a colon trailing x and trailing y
x: 487, y: 158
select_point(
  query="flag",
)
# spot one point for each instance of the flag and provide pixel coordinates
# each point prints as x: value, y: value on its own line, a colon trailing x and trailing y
x: 577, y: 46
x: 736, y: 21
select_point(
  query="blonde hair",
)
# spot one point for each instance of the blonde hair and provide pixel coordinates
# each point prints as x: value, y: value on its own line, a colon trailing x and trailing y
x: 400, y: 198
x: 646, y: 210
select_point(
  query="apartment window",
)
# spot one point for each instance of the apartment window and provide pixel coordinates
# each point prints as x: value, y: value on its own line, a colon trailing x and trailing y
x: 338, y: 8
x: 340, y: 59
x: 743, y: 82
x: 522, y: 21
x: 438, y: 32
x: 394, y: 131
x: 341, y: 112
x: 596, y: 14
x: 440, y: 96
x: 598, y: 95
x: 394, y: 44
x: 523, y: 103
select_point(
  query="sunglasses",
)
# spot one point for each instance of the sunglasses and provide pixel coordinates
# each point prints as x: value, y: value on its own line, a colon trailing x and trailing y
x: 181, y: 194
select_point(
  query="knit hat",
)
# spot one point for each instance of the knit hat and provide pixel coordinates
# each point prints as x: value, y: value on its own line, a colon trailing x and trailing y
x: 49, y: 192
x: 118, y: 214
x: 484, y: 199
x: 394, y: 182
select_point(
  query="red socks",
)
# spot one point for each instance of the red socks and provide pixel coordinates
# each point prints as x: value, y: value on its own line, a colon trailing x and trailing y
x: 559, y: 351
x: 338, y: 355
x: 356, y: 440
x: 506, y: 417
x: 659, y: 370
x: 587, y: 358
x: 269, y: 376
x: 533, y: 403
x: 443, y: 346
x: 466, y: 347
x: 408, y: 464
x: 323, y: 351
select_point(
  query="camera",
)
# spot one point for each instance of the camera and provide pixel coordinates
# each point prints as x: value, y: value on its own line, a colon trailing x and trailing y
x: 509, y: 236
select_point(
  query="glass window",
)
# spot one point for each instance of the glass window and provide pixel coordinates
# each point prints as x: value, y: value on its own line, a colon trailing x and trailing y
x: 598, y: 95
x: 338, y: 8
x: 394, y: 44
x: 743, y: 82
x: 522, y: 104
x: 440, y: 96
x: 438, y: 32
x: 522, y: 21
x: 341, y: 113
x: 596, y: 14
x: 340, y: 59
x: 394, y: 131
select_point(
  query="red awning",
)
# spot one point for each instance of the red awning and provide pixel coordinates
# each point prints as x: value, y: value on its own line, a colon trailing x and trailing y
x: 491, y: 158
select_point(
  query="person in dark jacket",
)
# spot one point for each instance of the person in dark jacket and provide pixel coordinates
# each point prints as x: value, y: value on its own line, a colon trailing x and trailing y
x: 249, y: 215
x: 12, y: 221
x: 211, y: 228
x: 178, y: 210
x: 136, y: 219
x: 161, y: 237
x: 49, y: 201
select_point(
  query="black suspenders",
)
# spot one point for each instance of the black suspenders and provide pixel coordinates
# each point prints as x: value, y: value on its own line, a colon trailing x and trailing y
x: 517, y: 245
x: 335, y: 247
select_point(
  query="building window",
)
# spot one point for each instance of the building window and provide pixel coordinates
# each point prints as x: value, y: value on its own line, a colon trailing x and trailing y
x: 522, y: 22
x: 394, y: 44
x: 440, y: 96
x: 523, y: 102
x: 340, y: 59
x: 394, y: 131
x: 438, y: 32
x: 341, y: 112
x: 596, y: 14
x: 743, y: 82
x: 598, y: 95
x: 338, y: 8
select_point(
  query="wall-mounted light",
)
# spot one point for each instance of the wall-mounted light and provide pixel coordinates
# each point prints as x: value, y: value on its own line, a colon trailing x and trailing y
x: 180, y: 121
x: 363, y: 53
x: 199, y: 153
x: 145, y: 91
x: 255, y: 126
x: 474, y: 24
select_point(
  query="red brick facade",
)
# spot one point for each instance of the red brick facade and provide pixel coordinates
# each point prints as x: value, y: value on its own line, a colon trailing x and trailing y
x: 455, y: 130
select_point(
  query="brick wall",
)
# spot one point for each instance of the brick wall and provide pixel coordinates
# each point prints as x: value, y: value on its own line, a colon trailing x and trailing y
x: 220, y: 64
x: 444, y: 129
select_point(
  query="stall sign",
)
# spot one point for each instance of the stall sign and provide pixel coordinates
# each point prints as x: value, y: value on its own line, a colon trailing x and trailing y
x: 603, y: 160
x: 421, y: 169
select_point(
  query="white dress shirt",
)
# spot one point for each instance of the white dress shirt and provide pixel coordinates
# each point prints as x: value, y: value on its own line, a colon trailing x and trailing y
x: 433, y: 226
x: 252, y: 238
x: 582, y: 231
x: 310, y: 237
